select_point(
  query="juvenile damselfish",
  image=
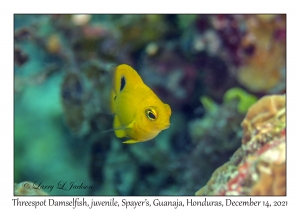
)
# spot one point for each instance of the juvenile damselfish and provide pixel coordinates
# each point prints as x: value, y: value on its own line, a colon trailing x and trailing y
x: 139, y: 114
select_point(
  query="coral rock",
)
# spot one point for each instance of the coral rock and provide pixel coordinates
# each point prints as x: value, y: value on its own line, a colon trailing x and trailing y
x: 264, y: 59
x: 271, y: 182
x: 260, y: 112
x: 27, y: 188
x: 258, y: 167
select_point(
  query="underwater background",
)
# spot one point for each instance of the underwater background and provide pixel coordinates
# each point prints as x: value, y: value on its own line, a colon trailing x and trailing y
x: 209, y: 68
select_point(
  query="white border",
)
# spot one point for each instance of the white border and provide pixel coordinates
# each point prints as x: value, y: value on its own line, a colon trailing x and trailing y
x: 154, y: 6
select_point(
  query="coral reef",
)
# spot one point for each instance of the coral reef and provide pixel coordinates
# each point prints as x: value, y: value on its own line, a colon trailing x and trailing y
x: 272, y: 180
x: 266, y: 108
x: 245, y: 99
x: 255, y: 45
x: 258, y: 167
x: 265, y: 57
x: 220, y: 118
x: 224, y: 119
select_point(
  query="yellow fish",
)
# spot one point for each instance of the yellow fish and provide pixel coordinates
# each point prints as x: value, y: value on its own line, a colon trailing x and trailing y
x: 138, y: 113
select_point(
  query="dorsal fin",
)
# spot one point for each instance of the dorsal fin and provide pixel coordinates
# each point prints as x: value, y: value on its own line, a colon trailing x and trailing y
x: 124, y: 76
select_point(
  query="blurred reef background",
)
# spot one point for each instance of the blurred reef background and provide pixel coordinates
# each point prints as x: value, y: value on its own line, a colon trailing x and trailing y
x: 210, y: 69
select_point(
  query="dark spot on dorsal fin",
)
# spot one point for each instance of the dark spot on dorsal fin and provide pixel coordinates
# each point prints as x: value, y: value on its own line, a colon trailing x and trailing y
x: 123, y: 82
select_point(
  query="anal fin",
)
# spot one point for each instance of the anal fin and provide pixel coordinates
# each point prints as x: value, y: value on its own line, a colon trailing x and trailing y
x: 130, y: 141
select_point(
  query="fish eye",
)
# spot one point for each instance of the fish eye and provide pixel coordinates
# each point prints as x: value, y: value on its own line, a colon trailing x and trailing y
x: 151, y: 114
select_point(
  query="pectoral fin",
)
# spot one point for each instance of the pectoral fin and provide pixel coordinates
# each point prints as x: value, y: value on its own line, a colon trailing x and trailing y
x: 118, y: 128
